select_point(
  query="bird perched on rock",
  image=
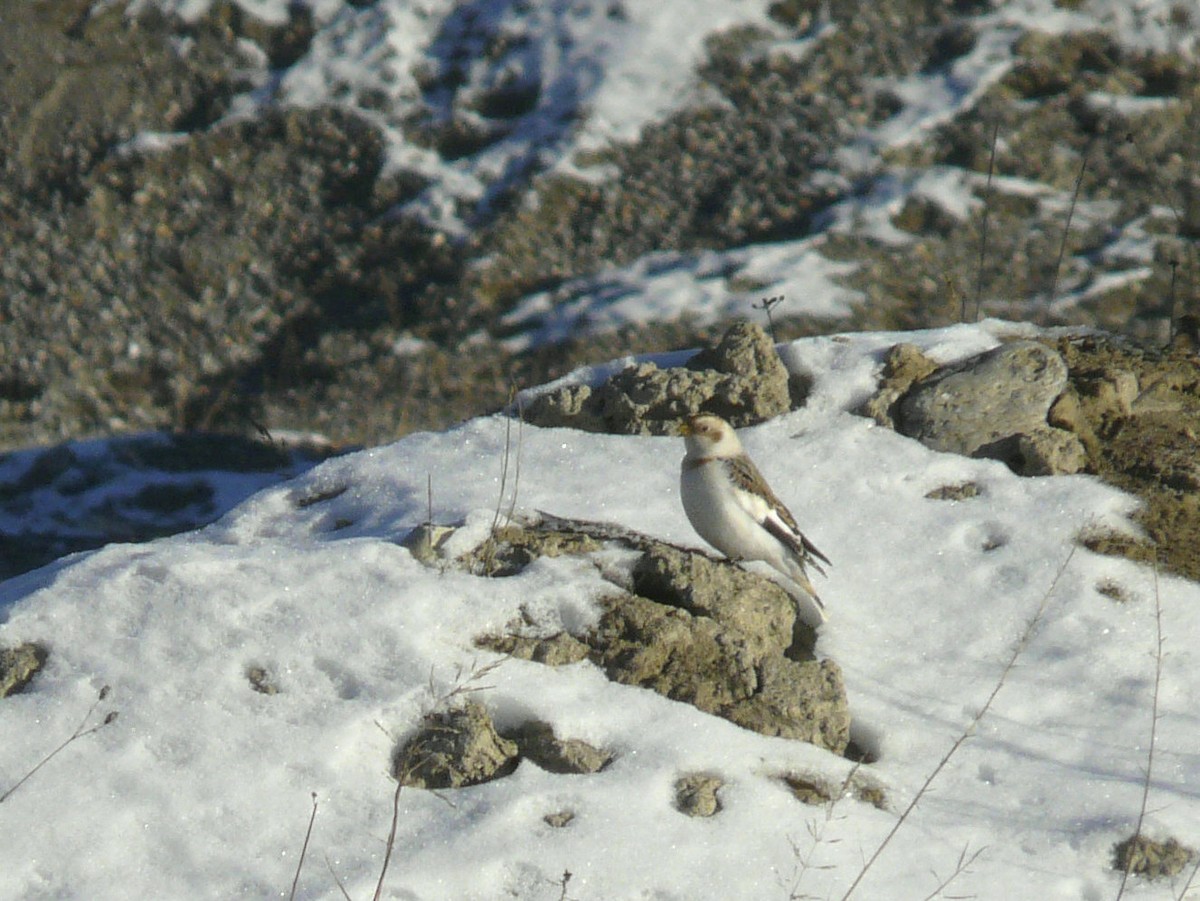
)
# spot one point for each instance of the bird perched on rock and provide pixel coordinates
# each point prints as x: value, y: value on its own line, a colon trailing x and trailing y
x: 732, y: 507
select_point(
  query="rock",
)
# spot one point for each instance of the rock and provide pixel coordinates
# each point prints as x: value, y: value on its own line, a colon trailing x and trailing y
x: 427, y: 543
x: 803, y: 701
x: 683, y: 657
x: 1142, y: 856
x: 960, y: 492
x: 696, y: 794
x: 757, y: 607
x: 453, y: 749
x: 976, y: 402
x: 536, y: 740
x: 262, y: 681
x: 18, y: 666
x: 559, y: 818
x: 903, y: 365
x: 696, y: 630
x: 741, y: 379
x: 722, y: 671
x: 1043, y: 452
x: 510, y: 548
x: 559, y: 649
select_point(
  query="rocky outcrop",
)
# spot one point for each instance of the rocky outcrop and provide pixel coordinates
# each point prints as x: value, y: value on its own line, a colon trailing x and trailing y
x: 1095, y: 404
x: 696, y: 630
x: 991, y: 405
x: 740, y: 379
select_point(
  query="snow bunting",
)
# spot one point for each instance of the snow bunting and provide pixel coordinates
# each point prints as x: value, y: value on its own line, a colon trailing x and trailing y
x: 732, y: 507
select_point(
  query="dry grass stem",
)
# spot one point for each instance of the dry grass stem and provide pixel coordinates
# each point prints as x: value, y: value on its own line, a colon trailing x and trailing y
x: 1020, y: 646
x: 963, y: 866
x: 304, y: 848
x: 1158, y: 666
x: 983, y: 229
x: 1062, y: 246
x: 80, y: 732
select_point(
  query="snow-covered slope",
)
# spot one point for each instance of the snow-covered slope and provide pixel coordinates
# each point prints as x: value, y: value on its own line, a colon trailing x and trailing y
x: 201, y: 788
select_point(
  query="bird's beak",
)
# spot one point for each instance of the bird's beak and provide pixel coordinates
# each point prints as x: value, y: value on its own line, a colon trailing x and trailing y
x: 685, y: 428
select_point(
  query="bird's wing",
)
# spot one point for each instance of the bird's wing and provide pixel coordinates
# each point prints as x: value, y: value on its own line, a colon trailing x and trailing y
x: 757, y: 498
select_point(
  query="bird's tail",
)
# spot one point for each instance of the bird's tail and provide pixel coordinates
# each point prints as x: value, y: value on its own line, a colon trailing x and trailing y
x: 798, y: 575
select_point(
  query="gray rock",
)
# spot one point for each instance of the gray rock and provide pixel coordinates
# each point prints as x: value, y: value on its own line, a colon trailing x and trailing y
x: 453, y: 749
x: 997, y: 394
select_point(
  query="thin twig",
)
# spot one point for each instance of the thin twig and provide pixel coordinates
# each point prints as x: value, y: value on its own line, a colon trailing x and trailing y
x: 1174, y: 263
x: 963, y: 866
x: 304, y: 848
x: 429, y: 514
x: 517, y: 465
x: 80, y: 732
x: 767, y: 305
x: 503, y: 472
x: 1187, y: 886
x: 816, y: 832
x: 1062, y: 246
x: 1020, y: 646
x: 391, y: 840
x: 983, y: 233
x: 341, y: 887
x: 489, y: 545
x: 562, y: 884
x: 1158, y: 666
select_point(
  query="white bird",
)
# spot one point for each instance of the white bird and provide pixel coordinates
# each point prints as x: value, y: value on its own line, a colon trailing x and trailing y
x: 732, y: 507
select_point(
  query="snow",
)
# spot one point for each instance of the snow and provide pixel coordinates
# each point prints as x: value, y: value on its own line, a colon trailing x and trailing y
x: 202, y: 787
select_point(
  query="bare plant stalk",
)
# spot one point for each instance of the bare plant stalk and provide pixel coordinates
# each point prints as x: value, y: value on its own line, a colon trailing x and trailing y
x: 304, y: 848
x: 1187, y: 886
x: 1171, y: 302
x: 963, y: 866
x: 816, y: 832
x: 490, y: 543
x: 767, y: 305
x: 341, y: 887
x: 1062, y: 246
x: 391, y: 839
x: 503, y: 472
x: 983, y: 231
x: 562, y: 883
x: 429, y: 514
x: 1020, y: 646
x: 80, y: 732
x: 1158, y: 665
x: 461, y: 685
x: 512, y: 506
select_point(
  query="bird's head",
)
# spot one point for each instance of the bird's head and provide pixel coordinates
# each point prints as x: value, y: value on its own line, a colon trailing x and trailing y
x: 709, y: 436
